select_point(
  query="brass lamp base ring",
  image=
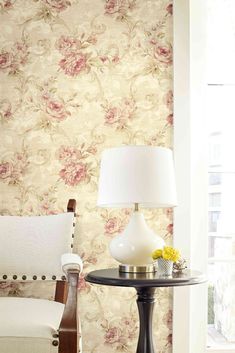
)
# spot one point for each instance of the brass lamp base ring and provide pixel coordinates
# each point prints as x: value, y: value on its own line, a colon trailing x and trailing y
x: 137, y: 269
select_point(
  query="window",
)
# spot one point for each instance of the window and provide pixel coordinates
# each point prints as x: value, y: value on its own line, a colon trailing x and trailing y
x: 214, y: 178
x: 190, y: 228
x: 221, y: 176
x: 190, y: 222
x: 214, y: 200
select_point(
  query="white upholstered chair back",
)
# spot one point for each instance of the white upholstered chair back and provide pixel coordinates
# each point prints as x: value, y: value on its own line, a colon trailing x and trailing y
x: 31, y: 247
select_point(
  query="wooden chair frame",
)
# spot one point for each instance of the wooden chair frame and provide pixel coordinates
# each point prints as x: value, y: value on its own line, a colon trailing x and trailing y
x: 68, y: 336
x: 66, y: 293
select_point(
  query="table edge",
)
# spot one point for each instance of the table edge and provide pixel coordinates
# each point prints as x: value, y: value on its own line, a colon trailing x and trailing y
x: 164, y: 282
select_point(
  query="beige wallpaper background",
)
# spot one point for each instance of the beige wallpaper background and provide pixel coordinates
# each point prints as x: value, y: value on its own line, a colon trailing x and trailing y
x: 77, y: 77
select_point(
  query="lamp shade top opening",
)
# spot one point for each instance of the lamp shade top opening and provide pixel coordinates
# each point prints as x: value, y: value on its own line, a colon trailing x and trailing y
x: 137, y: 174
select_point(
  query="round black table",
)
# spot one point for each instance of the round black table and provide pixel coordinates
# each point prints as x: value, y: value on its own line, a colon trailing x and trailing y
x: 145, y: 284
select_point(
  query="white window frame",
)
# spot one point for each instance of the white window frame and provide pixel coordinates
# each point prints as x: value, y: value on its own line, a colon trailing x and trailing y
x: 190, y: 221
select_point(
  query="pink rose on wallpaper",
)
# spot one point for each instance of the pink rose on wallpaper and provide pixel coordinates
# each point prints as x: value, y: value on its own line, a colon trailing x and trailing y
x: 6, y: 170
x: 169, y: 339
x: 128, y: 106
x: 73, y: 173
x: 92, y: 39
x: 83, y: 285
x: 56, y: 109
x: 6, y: 60
x: 69, y: 154
x: 57, y: 5
x: 5, y: 109
x: 20, y: 165
x: 118, y: 6
x: 91, y: 259
x: 163, y: 53
x: 45, y: 96
x: 73, y: 64
x: 153, y: 41
x: 47, y: 208
x: 104, y: 58
x: 112, y: 335
x: 92, y: 149
x: 127, y: 321
x: 169, y: 99
x: 169, y: 9
x: 168, y: 319
x: 131, y: 327
x: 120, y: 114
x: 121, y: 335
x: 170, y: 119
x: 115, y: 59
x: 7, y: 4
x: 112, y: 115
x: 13, y: 59
x: 21, y: 52
x: 67, y: 45
x: 170, y: 228
x: 169, y: 213
x: 112, y: 6
x: 113, y: 225
x: 11, y: 172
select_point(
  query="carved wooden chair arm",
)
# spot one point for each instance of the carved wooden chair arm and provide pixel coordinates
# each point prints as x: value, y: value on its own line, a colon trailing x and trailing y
x: 69, y: 334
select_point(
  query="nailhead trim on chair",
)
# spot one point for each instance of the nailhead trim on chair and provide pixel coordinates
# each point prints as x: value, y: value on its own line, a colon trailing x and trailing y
x: 43, y: 277
x: 74, y: 224
x: 55, y: 343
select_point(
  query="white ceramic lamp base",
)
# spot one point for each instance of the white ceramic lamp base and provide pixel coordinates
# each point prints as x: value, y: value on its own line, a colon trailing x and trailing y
x: 135, y: 245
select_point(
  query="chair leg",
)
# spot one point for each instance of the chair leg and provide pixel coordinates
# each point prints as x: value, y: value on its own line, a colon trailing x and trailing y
x: 68, y: 342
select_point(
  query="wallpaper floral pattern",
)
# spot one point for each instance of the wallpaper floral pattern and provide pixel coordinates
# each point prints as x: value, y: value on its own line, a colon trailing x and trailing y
x: 77, y: 77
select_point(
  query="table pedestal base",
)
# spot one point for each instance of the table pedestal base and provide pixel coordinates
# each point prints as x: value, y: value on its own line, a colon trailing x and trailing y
x: 145, y: 302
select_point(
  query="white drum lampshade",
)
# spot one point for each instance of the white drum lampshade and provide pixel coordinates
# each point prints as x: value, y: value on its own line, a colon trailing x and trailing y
x: 136, y: 175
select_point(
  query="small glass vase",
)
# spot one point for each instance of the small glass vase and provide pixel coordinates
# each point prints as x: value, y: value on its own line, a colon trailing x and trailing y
x: 165, y: 267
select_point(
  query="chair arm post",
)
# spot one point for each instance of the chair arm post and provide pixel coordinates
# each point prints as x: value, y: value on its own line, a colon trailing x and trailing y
x: 68, y: 327
x: 71, y: 207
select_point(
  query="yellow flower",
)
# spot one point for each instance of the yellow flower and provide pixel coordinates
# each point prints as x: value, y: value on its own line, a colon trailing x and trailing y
x: 169, y: 253
x: 156, y: 254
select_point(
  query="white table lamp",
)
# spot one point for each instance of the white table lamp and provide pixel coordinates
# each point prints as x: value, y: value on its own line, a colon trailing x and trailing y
x: 132, y: 176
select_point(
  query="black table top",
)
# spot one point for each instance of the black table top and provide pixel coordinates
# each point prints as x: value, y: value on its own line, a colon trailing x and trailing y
x: 112, y: 277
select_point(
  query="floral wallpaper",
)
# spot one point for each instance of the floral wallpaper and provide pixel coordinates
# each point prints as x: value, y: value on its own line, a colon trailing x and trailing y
x: 79, y: 76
